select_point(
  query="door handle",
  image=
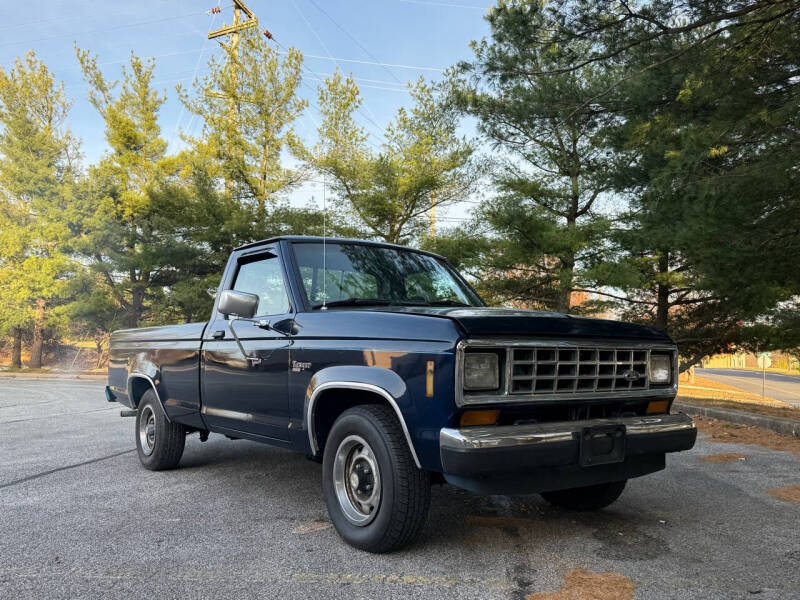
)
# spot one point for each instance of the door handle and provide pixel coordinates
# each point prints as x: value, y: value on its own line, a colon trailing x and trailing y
x: 218, y: 335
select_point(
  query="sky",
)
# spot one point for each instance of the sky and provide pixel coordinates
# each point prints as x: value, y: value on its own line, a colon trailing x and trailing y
x: 382, y: 43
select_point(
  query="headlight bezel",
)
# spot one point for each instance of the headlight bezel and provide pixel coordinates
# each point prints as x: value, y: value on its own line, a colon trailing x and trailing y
x: 491, y: 369
x: 664, y: 368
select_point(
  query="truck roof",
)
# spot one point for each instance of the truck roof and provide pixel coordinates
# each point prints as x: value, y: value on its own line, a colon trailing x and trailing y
x: 334, y: 240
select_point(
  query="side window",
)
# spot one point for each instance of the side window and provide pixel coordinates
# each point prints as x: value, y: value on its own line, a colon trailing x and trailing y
x: 263, y: 278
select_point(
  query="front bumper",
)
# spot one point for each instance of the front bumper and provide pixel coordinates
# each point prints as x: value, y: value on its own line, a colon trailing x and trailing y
x: 548, y: 456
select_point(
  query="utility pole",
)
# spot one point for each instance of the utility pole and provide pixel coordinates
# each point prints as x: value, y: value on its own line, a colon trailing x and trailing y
x: 239, y: 7
x: 233, y: 30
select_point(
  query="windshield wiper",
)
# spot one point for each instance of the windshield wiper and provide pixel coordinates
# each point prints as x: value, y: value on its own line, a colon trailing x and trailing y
x: 365, y: 302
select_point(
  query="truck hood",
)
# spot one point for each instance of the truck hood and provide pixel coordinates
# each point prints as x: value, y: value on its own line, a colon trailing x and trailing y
x: 513, y: 323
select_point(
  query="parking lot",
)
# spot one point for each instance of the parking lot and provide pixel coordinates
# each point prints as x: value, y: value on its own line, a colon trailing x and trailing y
x: 79, y: 517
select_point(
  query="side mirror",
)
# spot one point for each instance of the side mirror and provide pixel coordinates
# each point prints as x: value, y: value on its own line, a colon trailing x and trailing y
x: 238, y: 304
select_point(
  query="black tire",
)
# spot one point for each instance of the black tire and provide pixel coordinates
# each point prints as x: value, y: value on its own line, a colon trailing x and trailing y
x: 164, y: 449
x: 590, y: 497
x: 402, y: 506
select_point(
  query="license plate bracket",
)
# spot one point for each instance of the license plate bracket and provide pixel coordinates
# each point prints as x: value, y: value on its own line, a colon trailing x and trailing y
x: 602, y: 445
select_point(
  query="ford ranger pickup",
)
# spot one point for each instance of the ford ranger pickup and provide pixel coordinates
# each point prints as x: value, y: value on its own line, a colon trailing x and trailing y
x: 383, y: 363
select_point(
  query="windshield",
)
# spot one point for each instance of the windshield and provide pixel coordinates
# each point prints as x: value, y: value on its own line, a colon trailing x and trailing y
x: 360, y: 274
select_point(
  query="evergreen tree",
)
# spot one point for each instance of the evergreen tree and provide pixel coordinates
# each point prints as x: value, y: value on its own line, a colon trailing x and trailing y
x: 550, y: 166
x: 423, y: 163
x: 248, y: 102
x: 37, y: 174
x: 133, y: 203
x: 707, y: 122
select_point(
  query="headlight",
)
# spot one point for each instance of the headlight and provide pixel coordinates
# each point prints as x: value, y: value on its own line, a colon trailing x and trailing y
x: 660, y: 368
x: 481, y: 371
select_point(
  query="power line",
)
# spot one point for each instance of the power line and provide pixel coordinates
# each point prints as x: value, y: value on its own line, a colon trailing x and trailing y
x: 372, y: 87
x: 325, y: 47
x: 353, y: 39
x: 310, y: 28
x: 447, y: 4
x: 104, y: 29
x: 318, y: 78
x: 40, y: 22
x: 196, y: 68
x: 319, y: 110
x: 154, y: 56
x: 377, y: 64
x: 381, y: 81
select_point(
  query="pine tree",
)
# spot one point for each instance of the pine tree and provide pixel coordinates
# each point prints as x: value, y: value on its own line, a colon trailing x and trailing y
x: 422, y: 164
x: 706, y: 124
x: 37, y: 174
x: 134, y: 214
x: 248, y: 104
x: 550, y: 164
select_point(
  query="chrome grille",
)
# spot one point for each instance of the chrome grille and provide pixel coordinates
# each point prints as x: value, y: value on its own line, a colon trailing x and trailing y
x: 552, y: 370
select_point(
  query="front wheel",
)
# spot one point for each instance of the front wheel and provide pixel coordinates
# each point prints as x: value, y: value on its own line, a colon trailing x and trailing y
x: 590, y: 497
x: 158, y: 442
x: 377, y: 498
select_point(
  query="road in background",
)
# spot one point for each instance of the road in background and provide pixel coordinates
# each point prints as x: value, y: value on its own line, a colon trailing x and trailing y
x: 778, y: 386
x: 79, y: 517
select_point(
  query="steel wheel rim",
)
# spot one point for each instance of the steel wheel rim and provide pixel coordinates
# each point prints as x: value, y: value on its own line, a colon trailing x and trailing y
x: 147, y: 430
x: 357, y: 480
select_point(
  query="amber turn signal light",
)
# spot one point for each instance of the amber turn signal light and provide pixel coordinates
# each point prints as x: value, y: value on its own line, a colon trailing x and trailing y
x: 479, y: 417
x: 657, y: 407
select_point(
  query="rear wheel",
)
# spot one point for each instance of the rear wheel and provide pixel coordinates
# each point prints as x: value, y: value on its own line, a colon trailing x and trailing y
x: 590, y: 497
x: 159, y: 443
x: 377, y: 498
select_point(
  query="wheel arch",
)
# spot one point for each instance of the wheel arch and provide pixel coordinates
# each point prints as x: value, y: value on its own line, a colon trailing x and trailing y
x: 138, y: 384
x: 323, y: 391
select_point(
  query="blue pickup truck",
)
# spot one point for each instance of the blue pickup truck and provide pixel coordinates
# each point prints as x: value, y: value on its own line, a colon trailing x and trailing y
x: 385, y: 365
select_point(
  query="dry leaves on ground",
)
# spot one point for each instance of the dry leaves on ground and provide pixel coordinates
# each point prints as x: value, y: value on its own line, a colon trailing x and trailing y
x: 790, y: 493
x: 582, y: 585
x: 311, y: 527
x: 725, y: 457
x: 731, y: 433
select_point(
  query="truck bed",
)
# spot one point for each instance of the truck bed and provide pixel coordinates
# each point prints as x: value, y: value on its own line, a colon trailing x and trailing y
x: 175, y: 349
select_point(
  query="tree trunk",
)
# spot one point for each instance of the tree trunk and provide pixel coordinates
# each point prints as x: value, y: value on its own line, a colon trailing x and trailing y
x: 99, y: 343
x: 565, y: 285
x: 567, y: 274
x: 662, y: 300
x: 137, y: 304
x: 38, y: 336
x: 16, y: 348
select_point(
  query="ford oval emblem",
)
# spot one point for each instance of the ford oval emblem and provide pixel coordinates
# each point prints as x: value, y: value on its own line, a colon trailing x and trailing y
x: 631, y: 375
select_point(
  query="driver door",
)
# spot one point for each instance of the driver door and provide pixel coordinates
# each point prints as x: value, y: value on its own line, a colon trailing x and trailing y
x: 241, y: 394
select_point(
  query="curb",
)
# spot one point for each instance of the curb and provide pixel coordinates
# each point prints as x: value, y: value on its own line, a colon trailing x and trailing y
x: 776, y: 424
x: 62, y: 376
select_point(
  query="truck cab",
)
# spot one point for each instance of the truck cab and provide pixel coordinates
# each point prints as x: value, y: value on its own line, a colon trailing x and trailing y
x: 385, y: 365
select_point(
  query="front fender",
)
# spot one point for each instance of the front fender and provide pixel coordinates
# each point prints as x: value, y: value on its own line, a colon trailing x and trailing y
x: 384, y: 382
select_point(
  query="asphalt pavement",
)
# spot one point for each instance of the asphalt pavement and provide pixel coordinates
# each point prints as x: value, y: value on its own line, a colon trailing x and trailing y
x: 80, y: 518
x: 776, y: 385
